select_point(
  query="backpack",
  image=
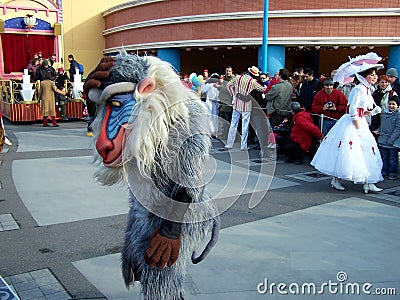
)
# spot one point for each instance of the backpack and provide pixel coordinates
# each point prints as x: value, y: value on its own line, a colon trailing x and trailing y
x: 80, y: 67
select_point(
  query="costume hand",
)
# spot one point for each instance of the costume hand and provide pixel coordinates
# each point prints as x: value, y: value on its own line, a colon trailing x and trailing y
x: 102, y: 71
x: 162, y: 250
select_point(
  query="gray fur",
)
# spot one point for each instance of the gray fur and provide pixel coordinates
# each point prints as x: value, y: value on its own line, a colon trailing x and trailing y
x: 142, y: 223
x: 165, y: 284
x: 127, y: 68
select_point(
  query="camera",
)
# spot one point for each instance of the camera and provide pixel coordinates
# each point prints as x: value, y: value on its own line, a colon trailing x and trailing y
x: 330, y: 104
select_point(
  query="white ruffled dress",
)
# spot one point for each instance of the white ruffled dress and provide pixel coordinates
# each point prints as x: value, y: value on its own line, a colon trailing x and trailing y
x: 346, y: 152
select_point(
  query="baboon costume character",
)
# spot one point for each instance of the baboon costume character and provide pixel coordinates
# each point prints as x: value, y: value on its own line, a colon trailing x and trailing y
x: 151, y: 133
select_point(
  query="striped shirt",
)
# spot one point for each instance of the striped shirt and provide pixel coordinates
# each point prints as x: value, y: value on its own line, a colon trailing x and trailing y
x: 243, y: 84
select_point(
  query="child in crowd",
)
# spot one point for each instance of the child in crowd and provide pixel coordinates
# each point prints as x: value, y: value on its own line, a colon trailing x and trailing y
x: 389, y: 136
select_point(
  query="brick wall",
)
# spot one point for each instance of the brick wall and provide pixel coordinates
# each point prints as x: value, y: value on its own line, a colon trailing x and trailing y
x: 249, y: 28
x: 337, y: 4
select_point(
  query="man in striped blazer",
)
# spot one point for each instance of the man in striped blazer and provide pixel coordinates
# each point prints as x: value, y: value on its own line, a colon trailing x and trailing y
x: 240, y: 88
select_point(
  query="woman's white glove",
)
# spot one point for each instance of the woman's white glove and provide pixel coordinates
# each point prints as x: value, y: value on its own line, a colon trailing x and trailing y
x: 377, y: 110
x: 361, y: 132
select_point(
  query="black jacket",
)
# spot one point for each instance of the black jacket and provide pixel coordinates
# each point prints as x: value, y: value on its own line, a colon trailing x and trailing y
x: 396, y: 87
x: 73, y: 65
x: 41, y: 73
x: 307, y: 90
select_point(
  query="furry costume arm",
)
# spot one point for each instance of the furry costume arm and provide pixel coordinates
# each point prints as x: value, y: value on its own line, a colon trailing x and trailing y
x: 165, y: 242
x: 171, y: 229
x: 189, y: 149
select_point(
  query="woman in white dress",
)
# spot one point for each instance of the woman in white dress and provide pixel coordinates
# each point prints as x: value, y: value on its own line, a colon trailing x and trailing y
x: 349, y: 150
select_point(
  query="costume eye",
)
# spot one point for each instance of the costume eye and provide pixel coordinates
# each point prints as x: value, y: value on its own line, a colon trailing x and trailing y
x: 115, y: 103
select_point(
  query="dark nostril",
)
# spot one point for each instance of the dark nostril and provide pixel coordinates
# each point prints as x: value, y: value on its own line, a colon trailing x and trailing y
x: 104, y: 147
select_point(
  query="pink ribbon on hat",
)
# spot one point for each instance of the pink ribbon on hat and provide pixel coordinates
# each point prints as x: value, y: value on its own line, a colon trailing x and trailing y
x: 365, y: 61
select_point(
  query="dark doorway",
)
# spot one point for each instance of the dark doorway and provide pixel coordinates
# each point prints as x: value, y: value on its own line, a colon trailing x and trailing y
x: 215, y: 61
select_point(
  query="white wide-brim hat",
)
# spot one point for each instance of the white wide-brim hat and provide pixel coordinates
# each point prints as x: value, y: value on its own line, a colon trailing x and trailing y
x: 360, y: 63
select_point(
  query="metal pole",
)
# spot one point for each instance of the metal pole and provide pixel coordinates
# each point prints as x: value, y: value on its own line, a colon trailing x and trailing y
x: 264, y: 50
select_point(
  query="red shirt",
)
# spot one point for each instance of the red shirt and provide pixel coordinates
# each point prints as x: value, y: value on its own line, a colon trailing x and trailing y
x: 271, y: 83
x: 337, y: 97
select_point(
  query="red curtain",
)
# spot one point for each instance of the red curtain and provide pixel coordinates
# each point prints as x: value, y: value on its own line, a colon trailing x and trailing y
x: 18, y: 49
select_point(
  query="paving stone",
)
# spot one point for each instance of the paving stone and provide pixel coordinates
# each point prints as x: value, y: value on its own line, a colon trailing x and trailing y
x: 7, y: 222
x: 41, y: 273
x: 46, y: 280
x: 52, y: 288
x: 26, y: 285
x: 5, y: 217
x: 58, y: 296
x: 38, y: 285
x: 391, y: 194
x: 19, y: 278
x: 30, y: 294
x: 10, y: 227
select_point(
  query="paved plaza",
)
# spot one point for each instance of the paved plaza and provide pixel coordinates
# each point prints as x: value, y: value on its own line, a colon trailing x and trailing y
x: 285, y: 235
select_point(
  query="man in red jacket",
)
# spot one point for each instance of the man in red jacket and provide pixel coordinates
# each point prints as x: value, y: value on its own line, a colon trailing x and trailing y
x: 301, y: 135
x: 331, y: 103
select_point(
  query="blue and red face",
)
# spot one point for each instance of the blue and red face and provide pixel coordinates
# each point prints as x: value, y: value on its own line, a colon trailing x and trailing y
x: 116, y: 115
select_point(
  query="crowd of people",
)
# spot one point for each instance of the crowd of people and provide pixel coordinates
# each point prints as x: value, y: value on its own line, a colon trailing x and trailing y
x: 53, y: 84
x: 350, y: 128
x: 229, y: 96
x: 334, y: 120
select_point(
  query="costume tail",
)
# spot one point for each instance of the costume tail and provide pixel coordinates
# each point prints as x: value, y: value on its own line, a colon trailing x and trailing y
x: 210, y: 244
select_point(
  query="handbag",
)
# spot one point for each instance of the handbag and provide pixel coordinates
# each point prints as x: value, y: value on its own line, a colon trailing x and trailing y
x: 245, y: 98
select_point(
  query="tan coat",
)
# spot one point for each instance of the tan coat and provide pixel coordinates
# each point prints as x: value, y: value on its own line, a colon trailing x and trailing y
x: 47, y: 98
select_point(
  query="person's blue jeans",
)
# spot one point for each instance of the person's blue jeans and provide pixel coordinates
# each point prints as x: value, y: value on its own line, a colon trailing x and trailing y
x: 390, y: 161
x: 233, y: 128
